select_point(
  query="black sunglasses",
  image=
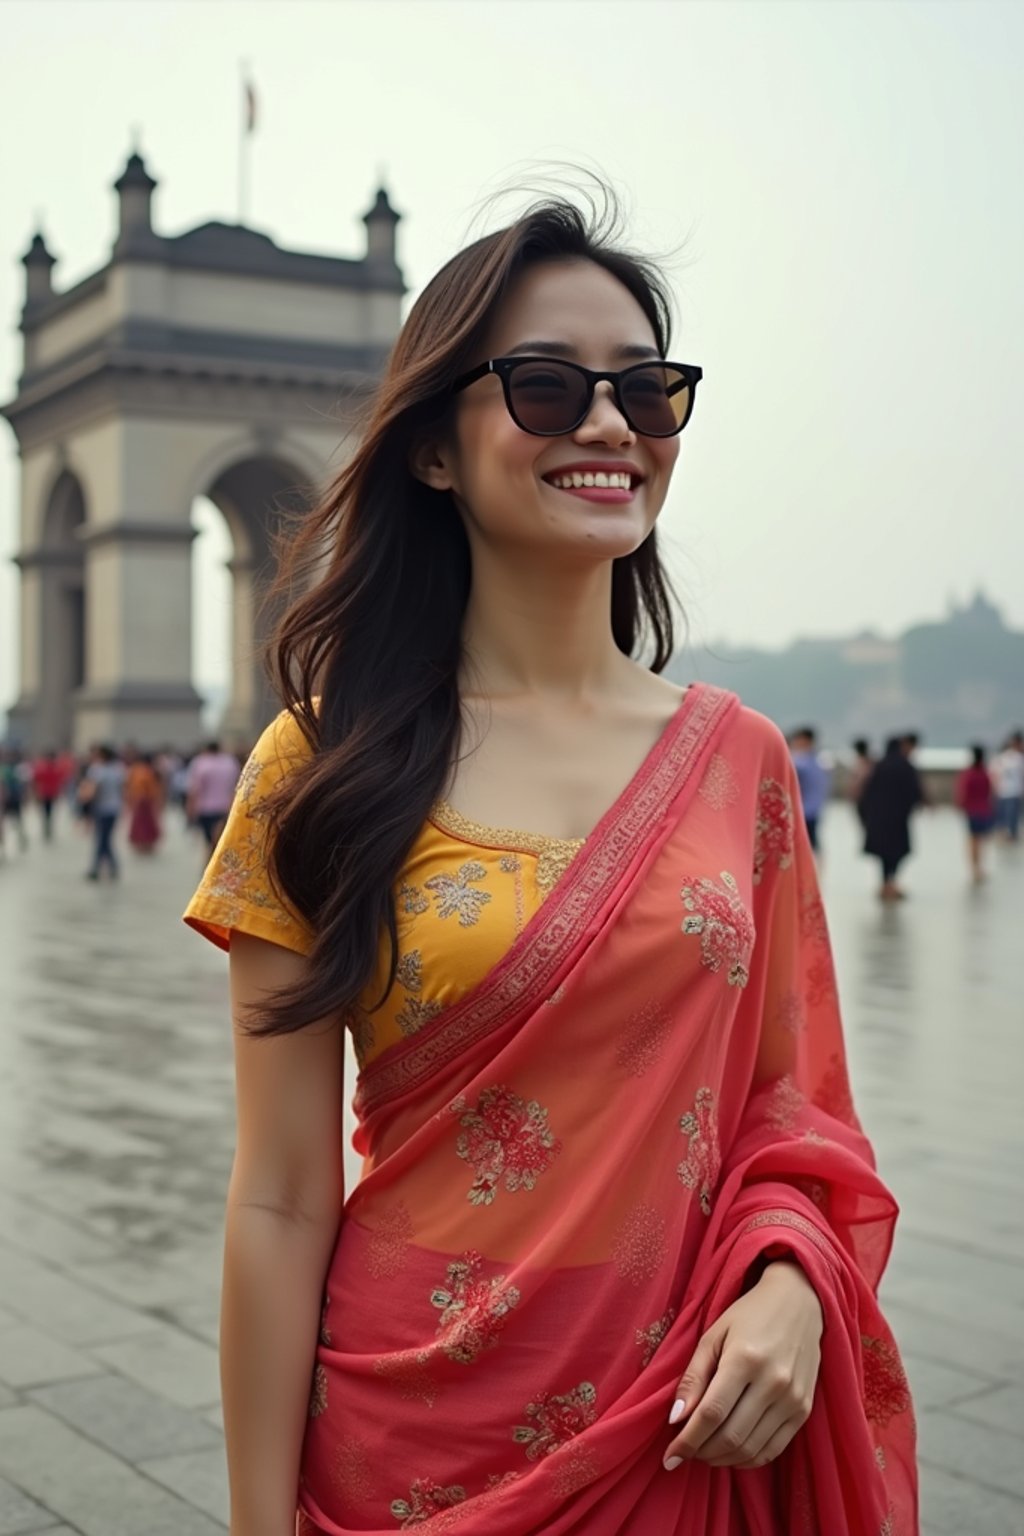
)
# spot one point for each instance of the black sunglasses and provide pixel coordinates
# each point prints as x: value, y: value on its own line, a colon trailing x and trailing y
x: 549, y: 398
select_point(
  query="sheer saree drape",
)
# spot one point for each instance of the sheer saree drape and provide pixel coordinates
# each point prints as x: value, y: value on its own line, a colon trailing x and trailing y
x: 570, y: 1174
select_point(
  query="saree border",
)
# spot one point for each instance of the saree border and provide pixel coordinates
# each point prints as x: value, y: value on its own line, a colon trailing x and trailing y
x: 529, y: 967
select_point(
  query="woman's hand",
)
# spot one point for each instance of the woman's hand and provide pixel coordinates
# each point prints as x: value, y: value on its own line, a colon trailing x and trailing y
x: 750, y: 1384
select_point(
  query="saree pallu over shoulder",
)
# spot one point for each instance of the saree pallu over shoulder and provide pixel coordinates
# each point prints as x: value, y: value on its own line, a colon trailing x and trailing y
x: 533, y: 967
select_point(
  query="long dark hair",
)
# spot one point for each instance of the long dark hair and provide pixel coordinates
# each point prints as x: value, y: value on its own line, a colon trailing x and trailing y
x: 383, y: 565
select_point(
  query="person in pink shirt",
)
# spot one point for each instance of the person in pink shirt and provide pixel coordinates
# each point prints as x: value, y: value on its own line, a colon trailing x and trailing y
x: 975, y: 795
x: 212, y: 779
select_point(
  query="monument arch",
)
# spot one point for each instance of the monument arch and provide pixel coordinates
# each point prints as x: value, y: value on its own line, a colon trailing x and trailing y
x: 211, y: 363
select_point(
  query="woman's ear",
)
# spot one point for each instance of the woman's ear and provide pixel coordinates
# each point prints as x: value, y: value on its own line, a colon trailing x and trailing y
x: 428, y: 461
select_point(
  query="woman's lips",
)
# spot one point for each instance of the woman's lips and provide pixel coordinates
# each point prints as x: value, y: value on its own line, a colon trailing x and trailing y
x: 610, y: 495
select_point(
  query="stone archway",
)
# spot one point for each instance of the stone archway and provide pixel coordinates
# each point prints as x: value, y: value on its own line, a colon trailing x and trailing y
x: 256, y: 496
x: 210, y: 363
x: 53, y: 584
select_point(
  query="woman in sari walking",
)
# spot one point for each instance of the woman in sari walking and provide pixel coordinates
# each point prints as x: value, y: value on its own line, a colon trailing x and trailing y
x: 612, y: 1263
x: 143, y: 794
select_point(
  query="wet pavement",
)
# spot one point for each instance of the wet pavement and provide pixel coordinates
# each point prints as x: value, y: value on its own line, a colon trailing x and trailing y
x: 116, y: 1114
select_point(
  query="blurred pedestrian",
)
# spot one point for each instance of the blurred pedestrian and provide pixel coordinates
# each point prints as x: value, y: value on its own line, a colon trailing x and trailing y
x: 15, y: 778
x: 212, y: 778
x: 860, y: 772
x: 1008, y: 780
x: 102, y: 789
x: 812, y: 776
x: 144, y: 798
x: 47, y: 783
x: 975, y: 796
x: 887, y: 801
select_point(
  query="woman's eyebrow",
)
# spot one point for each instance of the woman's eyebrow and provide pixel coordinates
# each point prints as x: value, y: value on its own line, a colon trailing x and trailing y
x: 565, y: 349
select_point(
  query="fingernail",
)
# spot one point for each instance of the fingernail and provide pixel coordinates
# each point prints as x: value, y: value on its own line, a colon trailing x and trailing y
x: 672, y: 1463
x: 678, y: 1409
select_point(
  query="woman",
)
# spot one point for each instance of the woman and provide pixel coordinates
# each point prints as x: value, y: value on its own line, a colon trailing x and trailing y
x: 860, y: 771
x: 891, y: 794
x: 975, y: 795
x: 144, y: 797
x: 611, y: 1265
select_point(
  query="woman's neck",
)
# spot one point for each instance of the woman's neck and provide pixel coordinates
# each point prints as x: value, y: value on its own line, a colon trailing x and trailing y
x: 544, y: 634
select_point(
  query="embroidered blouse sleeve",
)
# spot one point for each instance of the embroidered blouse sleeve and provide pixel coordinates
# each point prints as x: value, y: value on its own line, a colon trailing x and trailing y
x: 236, y: 893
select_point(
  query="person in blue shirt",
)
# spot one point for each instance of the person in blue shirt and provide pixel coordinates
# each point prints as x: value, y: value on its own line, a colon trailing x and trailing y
x: 813, y: 777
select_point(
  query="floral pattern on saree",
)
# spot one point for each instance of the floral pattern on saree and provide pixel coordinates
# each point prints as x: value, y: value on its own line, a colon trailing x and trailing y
x: 702, y: 1164
x: 640, y: 1244
x: 388, y: 1246
x: 473, y: 1309
x: 784, y: 1104
x: 505, y: 1140
x: 426, y: 1499
x: 723, y: 924
x: 719, y: 788
x: 644, y: 1038
x: 555, y: 1419
x: 350, y: 1470
x: 409, y: 1373
x: 649, y: 1338
x: 773, y: 833
x: 886, y: 1391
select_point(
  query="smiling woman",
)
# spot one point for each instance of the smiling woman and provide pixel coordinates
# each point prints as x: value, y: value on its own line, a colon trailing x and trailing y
x: 612, y: 1263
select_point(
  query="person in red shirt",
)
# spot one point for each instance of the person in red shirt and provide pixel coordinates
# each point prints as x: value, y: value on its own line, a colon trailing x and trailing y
x: 47, y: 783
x: 975, y: 795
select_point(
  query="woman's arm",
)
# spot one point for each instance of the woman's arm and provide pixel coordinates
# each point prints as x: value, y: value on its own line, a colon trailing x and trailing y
x: 283, y: 1212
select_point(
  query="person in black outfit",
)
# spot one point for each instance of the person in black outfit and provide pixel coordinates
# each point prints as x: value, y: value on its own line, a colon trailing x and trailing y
x: 890, y: 795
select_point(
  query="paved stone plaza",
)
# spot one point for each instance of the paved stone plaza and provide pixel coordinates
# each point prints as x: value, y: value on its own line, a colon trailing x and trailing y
x: 115, y: 1144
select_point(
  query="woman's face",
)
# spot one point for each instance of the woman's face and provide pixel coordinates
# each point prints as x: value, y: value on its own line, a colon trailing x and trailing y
x: 502, y: 477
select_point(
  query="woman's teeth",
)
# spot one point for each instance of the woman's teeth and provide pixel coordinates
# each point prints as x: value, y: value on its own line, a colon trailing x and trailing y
x: 573, y: 481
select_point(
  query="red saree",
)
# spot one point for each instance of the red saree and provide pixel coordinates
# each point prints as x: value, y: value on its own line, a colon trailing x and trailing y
x: 570, y: 1172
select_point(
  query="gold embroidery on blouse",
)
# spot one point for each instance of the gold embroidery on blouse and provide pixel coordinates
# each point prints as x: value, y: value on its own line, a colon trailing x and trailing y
x: 409, y: 973
x: 553, y: 854
x: 455, y: 896
x: 414, y: 1013
x: 412, y: 900
x: 512, y: 864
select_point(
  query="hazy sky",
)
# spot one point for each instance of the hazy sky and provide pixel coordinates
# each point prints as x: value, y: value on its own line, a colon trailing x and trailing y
x: 846, y: 178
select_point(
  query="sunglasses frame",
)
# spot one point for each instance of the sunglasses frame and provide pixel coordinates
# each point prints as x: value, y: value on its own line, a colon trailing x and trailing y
x: 504, y: 367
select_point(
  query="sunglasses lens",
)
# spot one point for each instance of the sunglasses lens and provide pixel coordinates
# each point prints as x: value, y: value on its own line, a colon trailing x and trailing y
x: 547, y: 397
x: 657, y: 399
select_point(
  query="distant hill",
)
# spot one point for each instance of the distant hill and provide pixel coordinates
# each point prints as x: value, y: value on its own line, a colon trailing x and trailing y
x: 958, y: 680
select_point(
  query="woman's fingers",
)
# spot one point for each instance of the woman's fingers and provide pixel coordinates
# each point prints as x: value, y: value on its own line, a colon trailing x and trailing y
x: 717, y: 1403
x: 739, y: 1442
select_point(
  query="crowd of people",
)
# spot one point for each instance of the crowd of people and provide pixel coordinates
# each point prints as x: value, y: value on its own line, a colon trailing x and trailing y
x: 106, y: 787
x: 886, y: 791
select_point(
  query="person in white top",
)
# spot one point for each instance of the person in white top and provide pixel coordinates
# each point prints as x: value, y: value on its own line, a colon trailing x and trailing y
x: 1007, y: 770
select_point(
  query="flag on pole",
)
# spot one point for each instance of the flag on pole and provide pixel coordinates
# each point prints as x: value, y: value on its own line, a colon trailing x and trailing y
x: 250, y: 107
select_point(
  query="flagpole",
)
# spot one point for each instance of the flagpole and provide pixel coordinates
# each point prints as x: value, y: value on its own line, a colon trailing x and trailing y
x: 244, y: 136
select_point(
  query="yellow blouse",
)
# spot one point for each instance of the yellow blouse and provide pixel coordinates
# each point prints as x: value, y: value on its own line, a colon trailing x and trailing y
x: 463, y: 895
